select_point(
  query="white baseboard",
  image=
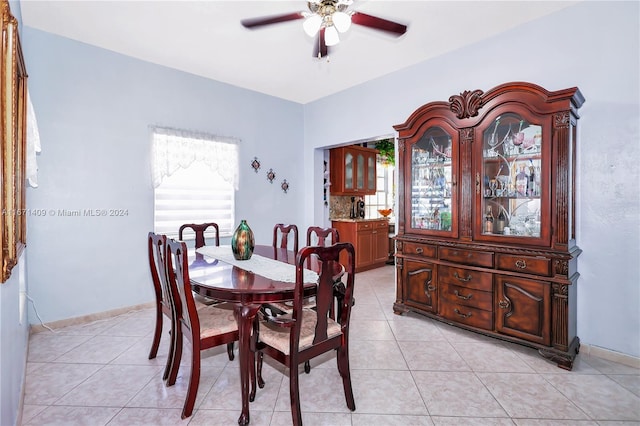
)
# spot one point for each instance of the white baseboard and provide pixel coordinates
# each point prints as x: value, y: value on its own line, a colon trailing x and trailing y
x: 37, y: 328
x: 610, y: 355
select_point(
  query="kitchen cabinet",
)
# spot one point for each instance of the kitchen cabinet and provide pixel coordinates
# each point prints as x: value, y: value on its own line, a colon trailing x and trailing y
x: 369, y: 238
x: 486, y: 220
x: 353, y: 170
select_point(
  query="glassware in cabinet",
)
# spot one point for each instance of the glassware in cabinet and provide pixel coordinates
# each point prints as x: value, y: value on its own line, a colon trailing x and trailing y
x: 433, y: 177
x: 511, y: 173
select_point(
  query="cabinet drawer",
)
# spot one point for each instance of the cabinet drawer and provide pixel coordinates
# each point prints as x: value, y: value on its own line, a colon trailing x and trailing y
x: 468, y: 257
x: 466, y: 278
x: 468, y: 315
x: 383, y: 224
x: 528, y: 264
x: 364, y: 226
x: 423, y: 250
x: 453, y: 294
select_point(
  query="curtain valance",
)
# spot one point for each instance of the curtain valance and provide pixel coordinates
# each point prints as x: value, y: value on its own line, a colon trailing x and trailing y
x: 173, y: 149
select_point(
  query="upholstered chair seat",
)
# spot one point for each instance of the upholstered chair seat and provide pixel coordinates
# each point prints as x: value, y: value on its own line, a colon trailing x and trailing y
x: 278, y: 338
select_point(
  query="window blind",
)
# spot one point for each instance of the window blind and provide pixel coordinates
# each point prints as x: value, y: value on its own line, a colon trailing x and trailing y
x: 194, y: 194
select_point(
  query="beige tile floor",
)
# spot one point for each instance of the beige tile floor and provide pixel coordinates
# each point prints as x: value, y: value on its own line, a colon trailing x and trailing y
x: 406, y: 370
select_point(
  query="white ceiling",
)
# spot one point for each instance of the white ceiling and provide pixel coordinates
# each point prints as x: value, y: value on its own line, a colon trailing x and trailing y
x: 205, y: 37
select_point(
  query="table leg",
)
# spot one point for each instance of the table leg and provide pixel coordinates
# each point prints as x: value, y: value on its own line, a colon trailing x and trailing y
x: 245, y: 315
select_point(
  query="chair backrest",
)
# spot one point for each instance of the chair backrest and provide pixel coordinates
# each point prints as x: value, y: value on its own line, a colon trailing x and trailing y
x: 157, y: 265
x: 199, y: 229
x: 322, y: 236
x: 178, y: 278
x: 329, y: 260
x: 284, y: 231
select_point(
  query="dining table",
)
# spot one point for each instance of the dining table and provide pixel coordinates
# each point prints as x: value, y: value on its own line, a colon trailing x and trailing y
x: 215, y: 274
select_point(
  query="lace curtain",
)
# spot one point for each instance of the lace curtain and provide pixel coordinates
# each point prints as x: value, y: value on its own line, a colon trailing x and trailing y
x: 173, y: 149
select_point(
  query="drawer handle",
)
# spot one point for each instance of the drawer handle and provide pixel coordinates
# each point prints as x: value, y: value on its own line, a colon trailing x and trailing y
x: 419, y: 250
x: 461, y: 314
x: 430, y: 288
x: 459, y: 278
x: 521, y: 263
x: 504, y: 304
x: 461, y: 296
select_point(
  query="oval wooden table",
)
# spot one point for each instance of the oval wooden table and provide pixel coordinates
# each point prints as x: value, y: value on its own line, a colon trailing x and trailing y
x: 222, y: 281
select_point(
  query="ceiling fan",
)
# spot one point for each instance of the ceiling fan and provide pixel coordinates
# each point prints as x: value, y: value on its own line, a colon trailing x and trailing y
x: 326, y: 19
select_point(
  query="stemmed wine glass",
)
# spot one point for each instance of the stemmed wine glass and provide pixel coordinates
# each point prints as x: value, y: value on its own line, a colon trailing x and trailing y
x: 493, y: 185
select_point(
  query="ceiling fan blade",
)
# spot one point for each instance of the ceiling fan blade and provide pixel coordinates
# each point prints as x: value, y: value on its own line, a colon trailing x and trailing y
x: 267, y: 20
x: 320, y: 49
x: 378, y: 23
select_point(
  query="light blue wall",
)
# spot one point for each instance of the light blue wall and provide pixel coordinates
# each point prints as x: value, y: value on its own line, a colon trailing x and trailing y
x: 94, y: 108
x: 593, y: 45
x: 14, y: 333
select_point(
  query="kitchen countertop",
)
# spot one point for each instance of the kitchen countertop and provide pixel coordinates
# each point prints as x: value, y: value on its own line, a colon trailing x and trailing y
x: 346, y: 219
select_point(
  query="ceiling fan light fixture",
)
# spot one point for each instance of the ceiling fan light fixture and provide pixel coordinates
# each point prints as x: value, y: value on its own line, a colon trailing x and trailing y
x: 326, y: 19
x: 312, y: 25
x: 342, y: 21
x: 331, y: 37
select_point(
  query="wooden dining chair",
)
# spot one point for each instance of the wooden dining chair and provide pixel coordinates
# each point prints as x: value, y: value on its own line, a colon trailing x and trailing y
x: 281, y: 236
x: 203, y: 328
x: 200, y: 241
x: 306, y: 333
x: 157, y: 245
x: 318, y: 236
x: 199, y: 229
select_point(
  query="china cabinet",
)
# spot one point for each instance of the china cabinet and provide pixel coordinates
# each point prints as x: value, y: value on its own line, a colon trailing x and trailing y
x: 486, y: 228
x: 353, y: 170
x: 369, y: 239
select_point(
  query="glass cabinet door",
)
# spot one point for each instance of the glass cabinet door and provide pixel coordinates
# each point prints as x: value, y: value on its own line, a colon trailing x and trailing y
x: 511, y: 177
x: 348, y: 171
x: 432, y: 181
x: 371, y: 172
x: 360, y: 177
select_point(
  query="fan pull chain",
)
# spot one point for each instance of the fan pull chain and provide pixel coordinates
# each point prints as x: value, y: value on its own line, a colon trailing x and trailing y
x: 320, y: 50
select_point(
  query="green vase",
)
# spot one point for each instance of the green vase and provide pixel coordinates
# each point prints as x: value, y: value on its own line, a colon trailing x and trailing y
x: 242, y: 242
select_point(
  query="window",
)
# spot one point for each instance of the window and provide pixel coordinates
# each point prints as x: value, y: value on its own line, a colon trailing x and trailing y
x: 383, y: 198
x: 194, y: 178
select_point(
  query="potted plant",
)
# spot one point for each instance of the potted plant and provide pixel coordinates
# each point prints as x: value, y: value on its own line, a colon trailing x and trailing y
x: 386, y: 149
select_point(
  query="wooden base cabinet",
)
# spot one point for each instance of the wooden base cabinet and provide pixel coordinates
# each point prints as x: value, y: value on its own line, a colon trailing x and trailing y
x: 369, y: 238
x: 486, y: 219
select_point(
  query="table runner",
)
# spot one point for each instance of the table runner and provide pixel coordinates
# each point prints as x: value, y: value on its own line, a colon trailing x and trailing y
x: 268, y: 268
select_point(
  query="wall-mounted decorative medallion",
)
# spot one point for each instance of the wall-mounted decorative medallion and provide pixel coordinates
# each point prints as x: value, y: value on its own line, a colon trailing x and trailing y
x: 255, y: 164
x: 285, y: 186
x: 271, y: 175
